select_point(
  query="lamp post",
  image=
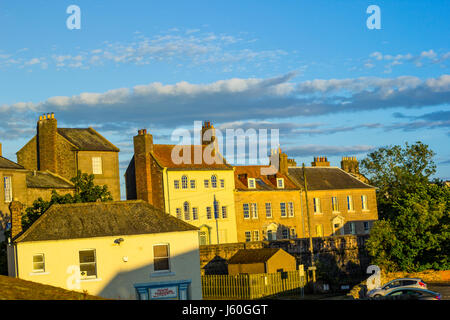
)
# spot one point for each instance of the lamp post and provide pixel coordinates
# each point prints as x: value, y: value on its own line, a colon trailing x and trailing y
x: 216, y: 216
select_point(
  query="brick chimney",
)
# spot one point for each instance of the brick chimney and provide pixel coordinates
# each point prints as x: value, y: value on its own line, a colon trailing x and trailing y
x: 15, y: 207
x: 143, y: 145
x: 47, y: 128
x: 284, y: 165
x: 209, y: 136
x: 1, y: 149
x: 320, y: 162
x: 350, y: 165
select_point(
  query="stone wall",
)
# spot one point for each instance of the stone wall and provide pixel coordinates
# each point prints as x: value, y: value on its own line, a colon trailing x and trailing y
x: 339, y: 259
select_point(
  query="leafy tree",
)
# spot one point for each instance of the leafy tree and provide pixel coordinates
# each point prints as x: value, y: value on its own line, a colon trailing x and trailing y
x: 85, y: 191
x: 395, y: 170
x: 413, y: 232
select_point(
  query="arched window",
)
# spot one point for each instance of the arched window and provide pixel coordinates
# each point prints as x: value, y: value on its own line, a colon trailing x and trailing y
x: 186, y: 210
x: 214, y: 181
x: 184, y: 182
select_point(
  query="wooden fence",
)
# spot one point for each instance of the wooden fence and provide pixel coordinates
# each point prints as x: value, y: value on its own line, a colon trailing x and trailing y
x: 252, y: 286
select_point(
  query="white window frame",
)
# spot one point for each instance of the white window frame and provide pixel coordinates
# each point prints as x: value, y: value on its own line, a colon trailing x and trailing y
x: 283, y: 211
x: 224, y: 212
x: 269, y: 210
x: 192, y: 184
x: 334, y: 204
x: 285, y: 233
x: 248, y: 236
x: 350, y: 206
x: 368, y: 226
x: 222, y: 183
x: 178, y: 213
x: 194, y: 213
x: 43, y: 263
x: 255, y: 235
x: 254, y: 210
x: 280, y: 185
x: 246, y: 210
x: 214, y: 181
x: 7, y: 188
x: 86, y: 263
x: 317, y: 206
x: 187, y: 213
x: 184, y: 182
x: 206, y: 183
x: 97, y: 165
x: 168, y: 257
x: 251, y: 183
x: 364, y: 203
x: 352, y: 228
x: 176, y: 184
x: 209, y: 213
x: 290, y: 209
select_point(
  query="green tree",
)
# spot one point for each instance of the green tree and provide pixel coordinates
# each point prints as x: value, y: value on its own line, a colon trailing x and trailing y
x: 85, y: 191
x: 413, y: 231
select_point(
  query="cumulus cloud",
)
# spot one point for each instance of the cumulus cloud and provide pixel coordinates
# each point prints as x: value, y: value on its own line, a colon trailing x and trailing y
x: 237, y: 99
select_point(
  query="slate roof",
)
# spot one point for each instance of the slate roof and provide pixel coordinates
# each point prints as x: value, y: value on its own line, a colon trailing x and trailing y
x: 163, y: 154
x: 8, y: 164
x: 87, y: 139
x: 244, y: 256
x: 263, y: 182
x: 326, y: 178
x: 46, y: 179
x: 101, y: 219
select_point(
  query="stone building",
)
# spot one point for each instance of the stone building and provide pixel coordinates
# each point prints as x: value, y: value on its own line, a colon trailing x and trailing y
x: 26, y: 186
x: 339, y: 203
x: 181, y: 180
x: 267, y: 206
x: 64, y: 151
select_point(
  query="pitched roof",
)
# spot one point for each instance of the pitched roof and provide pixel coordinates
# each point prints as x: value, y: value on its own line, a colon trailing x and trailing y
x: 101, y: 219
x: 244, y: 256
x: 46, y: 179
x: 8, y: 164
x: 163, y: 154
x: 326, y: 178
x: 19, y: 289
x: 87, y: 139
x: 263, y: 182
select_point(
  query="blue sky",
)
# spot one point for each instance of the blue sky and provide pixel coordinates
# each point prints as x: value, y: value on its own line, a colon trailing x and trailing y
x: 309, y: 68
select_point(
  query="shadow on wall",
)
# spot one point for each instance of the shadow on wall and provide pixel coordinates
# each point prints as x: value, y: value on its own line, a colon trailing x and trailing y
x: 122, y: 285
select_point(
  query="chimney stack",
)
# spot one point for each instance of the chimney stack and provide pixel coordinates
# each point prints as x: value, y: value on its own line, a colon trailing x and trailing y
x: 1, y: 150
x: 143, y: 145
x: 15, y: 207
x: 47, y: 128
x: 320, y: 162
x: 350, y: 165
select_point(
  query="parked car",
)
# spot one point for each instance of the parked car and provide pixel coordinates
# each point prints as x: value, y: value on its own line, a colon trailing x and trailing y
x: 413, y: 294
x: 397, y: 283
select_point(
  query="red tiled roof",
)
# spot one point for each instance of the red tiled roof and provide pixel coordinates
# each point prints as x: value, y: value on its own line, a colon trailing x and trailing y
x: 163, y: 154
x: 263, y: 182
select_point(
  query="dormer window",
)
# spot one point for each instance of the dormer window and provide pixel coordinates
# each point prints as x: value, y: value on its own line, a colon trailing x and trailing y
x: 280, y: 183
x: 251, y: 183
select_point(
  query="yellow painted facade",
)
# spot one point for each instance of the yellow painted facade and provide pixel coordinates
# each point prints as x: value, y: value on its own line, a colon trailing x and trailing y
x: 118, y: 266
x: 200, y: 198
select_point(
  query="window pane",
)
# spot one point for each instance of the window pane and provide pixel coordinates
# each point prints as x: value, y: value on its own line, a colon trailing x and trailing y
x: 87, y: 256
x: 161, y: 251
x: 88, y: 269
x: 38, y: 258
x: 161, y: 264
x: 7, y: 188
